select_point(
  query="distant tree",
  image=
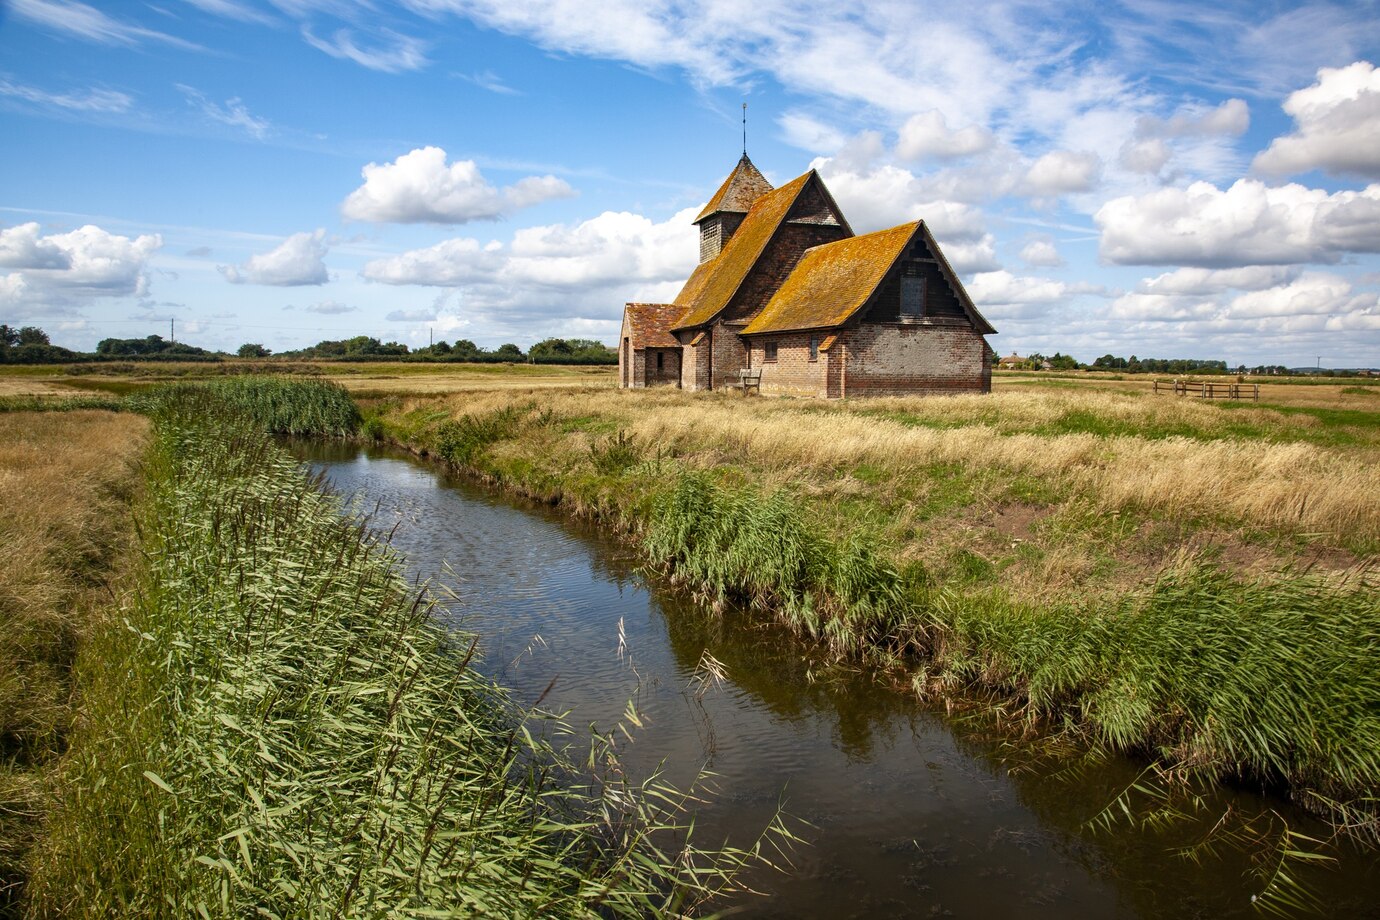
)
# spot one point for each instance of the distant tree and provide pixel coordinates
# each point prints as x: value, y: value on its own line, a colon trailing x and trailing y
x: 441, y: 348
x: 9, y: 335
x: 253, y: 350
x: 509, y: 350
x: 465, y: 348
x: 1062, y: 362
x: 32, y: 335
x: 147, y: 347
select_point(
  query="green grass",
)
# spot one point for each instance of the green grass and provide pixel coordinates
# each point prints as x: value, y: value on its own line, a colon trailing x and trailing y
x: 59, y: 403
x: 277, y: 727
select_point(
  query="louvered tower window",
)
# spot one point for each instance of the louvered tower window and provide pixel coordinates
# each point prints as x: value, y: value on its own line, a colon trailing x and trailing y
x: 912, y: 293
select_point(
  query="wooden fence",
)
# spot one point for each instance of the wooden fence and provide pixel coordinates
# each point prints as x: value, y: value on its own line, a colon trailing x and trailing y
x: 1205, y: 390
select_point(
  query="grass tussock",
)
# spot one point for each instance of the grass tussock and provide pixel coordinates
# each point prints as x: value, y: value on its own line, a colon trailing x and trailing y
x: 279, y: 729
x: 65, y: 483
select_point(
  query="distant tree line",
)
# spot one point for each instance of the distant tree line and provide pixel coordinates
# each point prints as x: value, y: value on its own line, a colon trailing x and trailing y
x: 1134, y: 365
x: 30, y: 345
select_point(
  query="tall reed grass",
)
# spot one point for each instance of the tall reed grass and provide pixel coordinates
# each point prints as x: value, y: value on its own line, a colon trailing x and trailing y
x: 279, y: 729
x: 279, y: 405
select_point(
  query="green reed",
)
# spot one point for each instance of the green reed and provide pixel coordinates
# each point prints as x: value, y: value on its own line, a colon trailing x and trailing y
x: 278, y: 727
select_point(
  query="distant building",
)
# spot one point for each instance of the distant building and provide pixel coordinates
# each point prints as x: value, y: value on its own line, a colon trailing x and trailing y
x: 784, y: 287
x: 1011, y: 361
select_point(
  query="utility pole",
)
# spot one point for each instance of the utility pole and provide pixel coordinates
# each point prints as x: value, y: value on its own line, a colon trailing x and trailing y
x: 172, y: 330
x: 431, y: 333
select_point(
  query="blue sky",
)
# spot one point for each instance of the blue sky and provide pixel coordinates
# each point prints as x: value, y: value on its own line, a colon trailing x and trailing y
x: 1156, y: 178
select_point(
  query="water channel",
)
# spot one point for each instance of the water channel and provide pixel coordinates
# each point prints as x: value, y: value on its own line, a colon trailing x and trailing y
x: 908, y: 812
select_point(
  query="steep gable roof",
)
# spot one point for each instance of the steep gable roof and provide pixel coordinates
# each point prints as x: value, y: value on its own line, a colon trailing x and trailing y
x: 834, y: 281
x: 742, y: 187
x: 650, y: 324
x: 713, y: 283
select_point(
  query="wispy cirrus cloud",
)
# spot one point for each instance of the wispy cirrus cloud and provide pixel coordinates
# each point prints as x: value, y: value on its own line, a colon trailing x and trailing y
x: 396, y: 53
x: 85, y: 100
x: 233, y: 113
x: 77, y: 20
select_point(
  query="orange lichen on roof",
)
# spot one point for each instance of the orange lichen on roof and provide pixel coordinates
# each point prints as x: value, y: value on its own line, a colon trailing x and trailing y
x: 742, y: 187
x: 650, y: 324
x: 833, y: 281
x: 714, y: 283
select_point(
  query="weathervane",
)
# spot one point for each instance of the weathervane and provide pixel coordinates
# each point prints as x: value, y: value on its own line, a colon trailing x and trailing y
x: 744, y: 129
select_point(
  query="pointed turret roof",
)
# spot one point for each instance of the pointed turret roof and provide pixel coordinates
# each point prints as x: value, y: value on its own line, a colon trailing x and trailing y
x: 742, y: 187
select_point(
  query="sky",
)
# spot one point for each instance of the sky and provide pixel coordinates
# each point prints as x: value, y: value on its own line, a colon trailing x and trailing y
x: 1158, y: 178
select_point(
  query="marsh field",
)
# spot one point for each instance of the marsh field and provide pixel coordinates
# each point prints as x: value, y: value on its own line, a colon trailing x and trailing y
x: 1190, y: 583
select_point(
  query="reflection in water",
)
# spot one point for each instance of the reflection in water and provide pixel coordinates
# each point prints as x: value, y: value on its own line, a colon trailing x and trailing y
x: 908, y: 814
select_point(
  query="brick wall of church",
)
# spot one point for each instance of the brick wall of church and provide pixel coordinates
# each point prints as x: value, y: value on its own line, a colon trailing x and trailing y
x: 792, y: 373
x: 903, y: 359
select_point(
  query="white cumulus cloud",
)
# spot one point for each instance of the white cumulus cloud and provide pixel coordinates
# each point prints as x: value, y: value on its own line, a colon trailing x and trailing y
x: 1206, y: 281
x: 298, y: 260
x: 1337, y: 126
x: 874, y: 197
x: 1249, y: 223
x: 420, y: 187
x: 1063, y: 171
x: 582, y: 271
x: 61, y: 271
x: 1231, y: 118
x: 929, y: 135
x: 1042, y: 252
x: 1307, y: 302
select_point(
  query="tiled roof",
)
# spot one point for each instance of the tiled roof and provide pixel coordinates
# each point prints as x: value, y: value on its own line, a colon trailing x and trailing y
x: 651, y: 323
x: 714, y: 283
x: 833, y: 281
x: 742, y: 187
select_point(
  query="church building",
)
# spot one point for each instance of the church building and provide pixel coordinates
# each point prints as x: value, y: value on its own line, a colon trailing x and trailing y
x: 785, y: 287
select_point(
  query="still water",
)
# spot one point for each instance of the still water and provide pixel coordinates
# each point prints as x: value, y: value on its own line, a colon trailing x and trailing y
x: 907, y: 812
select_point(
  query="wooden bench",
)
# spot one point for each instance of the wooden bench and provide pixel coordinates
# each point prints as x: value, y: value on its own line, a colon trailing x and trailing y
x: 750, y: 378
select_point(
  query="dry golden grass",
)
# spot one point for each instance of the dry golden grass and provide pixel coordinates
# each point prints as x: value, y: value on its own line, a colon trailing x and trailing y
x: 1062, y: 491
x: 1289, y: 486
x: 65, y: 479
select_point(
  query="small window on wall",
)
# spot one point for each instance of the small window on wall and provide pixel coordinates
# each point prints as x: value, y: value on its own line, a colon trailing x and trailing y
x: 814, y: 348
x: 912, y: 296
x: 770, y: 351
x: 660, y: 361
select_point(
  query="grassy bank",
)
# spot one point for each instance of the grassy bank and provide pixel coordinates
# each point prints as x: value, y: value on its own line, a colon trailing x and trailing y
x: 274, y: 726
x: 1173, y: 578
x: 66, y: 481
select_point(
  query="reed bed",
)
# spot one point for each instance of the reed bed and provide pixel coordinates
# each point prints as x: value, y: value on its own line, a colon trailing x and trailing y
x: 278, y: 728
x: 65, y: 483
